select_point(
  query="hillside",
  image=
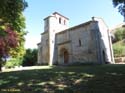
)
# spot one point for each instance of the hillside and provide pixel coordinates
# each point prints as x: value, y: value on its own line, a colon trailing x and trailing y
x: 119, y: 48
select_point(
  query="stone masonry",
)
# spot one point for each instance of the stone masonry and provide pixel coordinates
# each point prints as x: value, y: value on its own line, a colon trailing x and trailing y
x: 86, y: 42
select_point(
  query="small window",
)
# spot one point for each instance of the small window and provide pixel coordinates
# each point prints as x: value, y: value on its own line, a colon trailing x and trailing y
x: 80, y: 42
x: 64, y: 22
x: 60, y: 20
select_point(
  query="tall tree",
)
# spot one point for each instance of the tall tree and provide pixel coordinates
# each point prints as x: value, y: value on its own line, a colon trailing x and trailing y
x: 120, y: 4
x: 20, y: 50
x: 12, y: 34
x: 7, y: 41
x: 30, y: 57
x: 10, y: 11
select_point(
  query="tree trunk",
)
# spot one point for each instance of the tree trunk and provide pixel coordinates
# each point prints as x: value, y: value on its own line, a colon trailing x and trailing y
x: 0, y: 66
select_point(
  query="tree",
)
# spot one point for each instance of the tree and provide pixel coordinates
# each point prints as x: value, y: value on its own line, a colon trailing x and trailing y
x: 121, y: 6
x: 10, y: 11
x: 7, y: 41
x: 12, y: 34
x: 30, y: 58
x: 20, y: 50
x: 119, y: 34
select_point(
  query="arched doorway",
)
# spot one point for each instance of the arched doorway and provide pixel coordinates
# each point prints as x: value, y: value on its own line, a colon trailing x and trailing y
x: 64, y: 56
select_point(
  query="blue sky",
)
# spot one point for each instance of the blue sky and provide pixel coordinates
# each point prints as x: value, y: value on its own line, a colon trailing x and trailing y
x: 78, y: 11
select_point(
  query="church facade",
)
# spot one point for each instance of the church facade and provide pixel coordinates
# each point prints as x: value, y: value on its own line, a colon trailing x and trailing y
x: 89, y: 42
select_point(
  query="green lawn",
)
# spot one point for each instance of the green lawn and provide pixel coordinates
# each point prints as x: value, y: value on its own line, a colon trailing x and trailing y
x: 72, y: 79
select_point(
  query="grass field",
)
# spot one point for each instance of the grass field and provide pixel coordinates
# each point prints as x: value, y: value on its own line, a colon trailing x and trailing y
x: 72, y: 79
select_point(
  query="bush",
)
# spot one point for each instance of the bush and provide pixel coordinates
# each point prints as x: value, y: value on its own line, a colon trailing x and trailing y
x: 30, y: 58
x: 13, y: 62
x: 120, y: 34
x: 119, y: 49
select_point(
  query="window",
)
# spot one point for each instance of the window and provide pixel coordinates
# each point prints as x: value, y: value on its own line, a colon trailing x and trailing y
x: 80, y: 42
x: 64, y: 22
x: 60, y: 20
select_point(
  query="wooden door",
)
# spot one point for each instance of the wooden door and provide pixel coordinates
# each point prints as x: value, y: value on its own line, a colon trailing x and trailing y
x: 66, y: 57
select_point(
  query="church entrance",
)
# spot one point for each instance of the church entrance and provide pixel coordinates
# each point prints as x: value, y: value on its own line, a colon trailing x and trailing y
x: 64, y: 56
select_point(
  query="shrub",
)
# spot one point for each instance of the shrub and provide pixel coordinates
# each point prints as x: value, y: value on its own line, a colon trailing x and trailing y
x: 30, y: 58
x: 13, y: 62
x: 119, y: 49
x: 120, y: 34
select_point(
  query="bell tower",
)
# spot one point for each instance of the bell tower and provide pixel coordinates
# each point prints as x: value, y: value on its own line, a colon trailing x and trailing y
x: 53, y: 24
x: 56, y: 22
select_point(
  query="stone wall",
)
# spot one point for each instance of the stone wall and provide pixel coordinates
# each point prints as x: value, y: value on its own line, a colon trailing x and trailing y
x: 105, y: 42
x: 86, y: 51
x: 63, y: 43
x: 44, y: 49
x: 80, y: 43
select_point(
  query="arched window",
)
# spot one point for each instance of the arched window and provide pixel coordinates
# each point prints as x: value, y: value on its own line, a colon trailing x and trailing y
x: 64, y: 22
x: 80, y: 42
x: 60, y: 20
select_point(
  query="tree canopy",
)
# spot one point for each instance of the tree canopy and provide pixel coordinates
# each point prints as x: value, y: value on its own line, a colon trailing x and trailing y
x: 9, y: 40
x: 30, y: 57
x: 11, y: 14
x: 12, y: 25
x: 120, y: 4
x: 10, y: 11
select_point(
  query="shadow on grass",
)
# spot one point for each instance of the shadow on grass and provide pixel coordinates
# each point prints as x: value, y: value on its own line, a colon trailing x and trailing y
x: 72, y: 79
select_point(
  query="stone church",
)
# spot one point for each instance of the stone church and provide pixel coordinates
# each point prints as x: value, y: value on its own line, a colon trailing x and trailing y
x: 87, y: 42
